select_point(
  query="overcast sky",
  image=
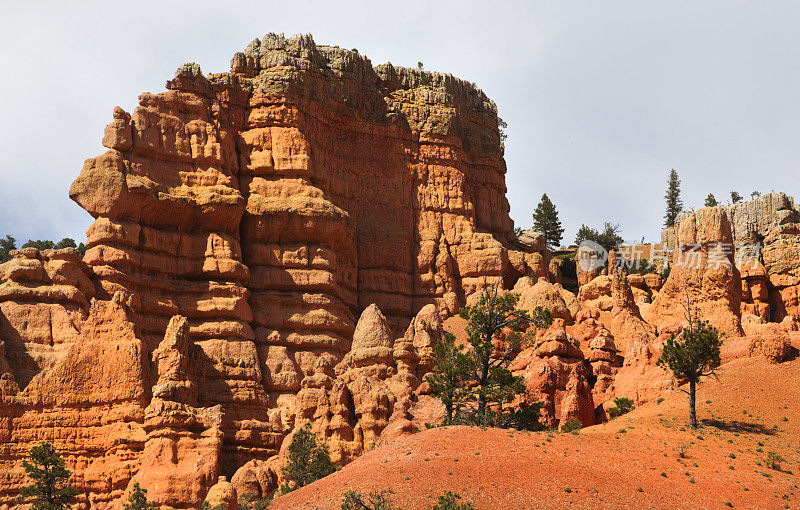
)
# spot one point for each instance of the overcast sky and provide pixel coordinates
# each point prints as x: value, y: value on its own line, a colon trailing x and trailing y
x: 602, y: 98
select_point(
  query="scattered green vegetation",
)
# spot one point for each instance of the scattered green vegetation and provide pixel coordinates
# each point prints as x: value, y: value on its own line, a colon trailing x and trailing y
x: 353, y: 500
x: 609, y: 237
x: 571, y: 425
x: 622, y: 405
x: 49, y: 490
x: 9, y: 244
x: 137, y: 500
x: 475, y: 383
x: 307, y: 460
x: 450, y: 501
x: 774, y: 461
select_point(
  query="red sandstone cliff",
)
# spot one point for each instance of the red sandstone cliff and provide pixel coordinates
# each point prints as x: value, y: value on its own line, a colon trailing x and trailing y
x: 243, y: 222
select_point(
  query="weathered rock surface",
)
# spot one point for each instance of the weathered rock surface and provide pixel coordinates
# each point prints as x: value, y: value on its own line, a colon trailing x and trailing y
x: 44, y: 299
x: 703, y: 277
x: 248, y: 218
x: 554, y: 373
x: 561, y: 303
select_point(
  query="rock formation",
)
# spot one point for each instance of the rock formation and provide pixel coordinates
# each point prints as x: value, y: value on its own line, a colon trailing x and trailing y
x: 703, y: 278
x: 554, y: 373
x: 282, y: 244
x: 244, y: 220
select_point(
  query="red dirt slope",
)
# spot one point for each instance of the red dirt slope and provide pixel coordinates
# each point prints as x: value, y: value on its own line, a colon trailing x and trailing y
x: 630, y: 462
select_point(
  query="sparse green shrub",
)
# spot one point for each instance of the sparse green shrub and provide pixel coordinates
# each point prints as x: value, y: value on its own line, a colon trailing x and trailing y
x: 353, y: 500
x: 774, y: 461
x: 249, y: 502
x: 449, y: 501
x: 6, y: 246
x: 571, y: 425
x: 622, y: 406
x: 448, y: 376
x: 205, y: 505
x: 307, y: 460
x: 137, y: 500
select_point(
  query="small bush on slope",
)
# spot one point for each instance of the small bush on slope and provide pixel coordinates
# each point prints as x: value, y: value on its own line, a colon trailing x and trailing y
x: 571, y: 425
x: 622, y: 406
x: 353, y: 500
x: 449, y: 501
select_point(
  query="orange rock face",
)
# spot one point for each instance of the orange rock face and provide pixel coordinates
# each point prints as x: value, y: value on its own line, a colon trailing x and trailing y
x: 554, y: 373
x: 245, y: 220
x: 44, y: 299
x: 703, y: 275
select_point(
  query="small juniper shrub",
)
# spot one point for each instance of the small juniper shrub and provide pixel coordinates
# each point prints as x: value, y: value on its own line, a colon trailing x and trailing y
x: 353, y: 500
x: 622, y: 405
x: 571, y: 425
x: 307, y: 461
x: 774, y: 461
x: 450, y: 501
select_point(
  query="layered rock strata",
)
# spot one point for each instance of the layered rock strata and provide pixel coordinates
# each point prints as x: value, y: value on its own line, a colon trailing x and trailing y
x: 248, y: 218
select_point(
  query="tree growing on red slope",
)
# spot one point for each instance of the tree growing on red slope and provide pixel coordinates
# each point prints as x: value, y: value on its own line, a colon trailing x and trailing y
x: 475, y: 383
x: 691, y: 356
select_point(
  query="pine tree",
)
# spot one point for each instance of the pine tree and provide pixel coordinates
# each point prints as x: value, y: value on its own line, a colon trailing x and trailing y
x: 711, y: 200
x: 545, y: 220
x: 673, y: 198
x: 46, y: 468
x: 491, y: 383
x: 6, y: 246
x: 609, y: 238
x: 735, y: 197
x: 137, y: 500
x: 448, y: 376
x: 307, y: 460
x: 694, y: 356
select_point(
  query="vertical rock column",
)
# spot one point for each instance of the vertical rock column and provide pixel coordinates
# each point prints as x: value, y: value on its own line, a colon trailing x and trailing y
x: 167, y: 207
x: 300, y: 249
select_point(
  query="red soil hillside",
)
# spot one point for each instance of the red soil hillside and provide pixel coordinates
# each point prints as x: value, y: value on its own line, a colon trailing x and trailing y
x: 630, y: 462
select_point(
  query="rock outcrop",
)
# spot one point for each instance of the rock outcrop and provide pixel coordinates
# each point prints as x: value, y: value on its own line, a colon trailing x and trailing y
x: 554, y: 373
x: 280, y: 244
x: 703, y: 278
x: 90, y: 405
x: 248, y: 218
x: 44, y: 299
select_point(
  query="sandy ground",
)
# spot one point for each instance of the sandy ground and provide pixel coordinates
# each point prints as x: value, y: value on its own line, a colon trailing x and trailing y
x: 631, y: 462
